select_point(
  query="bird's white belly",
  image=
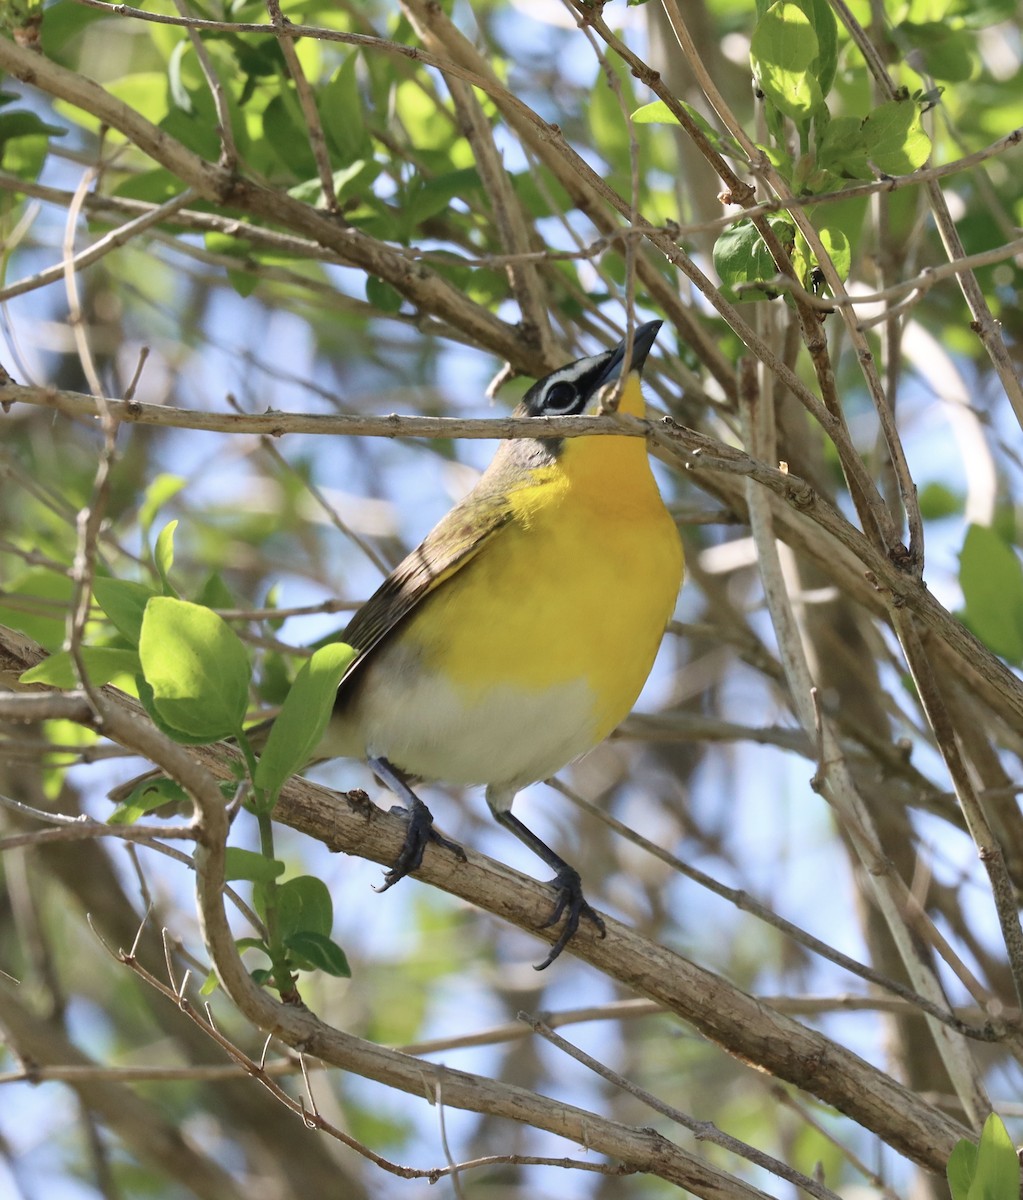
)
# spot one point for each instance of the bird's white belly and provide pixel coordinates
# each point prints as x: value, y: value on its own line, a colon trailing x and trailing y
x: 502, y: 735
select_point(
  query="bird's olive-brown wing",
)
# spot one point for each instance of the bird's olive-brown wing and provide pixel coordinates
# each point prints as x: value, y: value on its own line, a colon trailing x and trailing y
x: 452, y: 543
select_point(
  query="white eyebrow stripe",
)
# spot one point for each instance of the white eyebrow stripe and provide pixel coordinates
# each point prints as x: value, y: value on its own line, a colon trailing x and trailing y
x: 573, y: 372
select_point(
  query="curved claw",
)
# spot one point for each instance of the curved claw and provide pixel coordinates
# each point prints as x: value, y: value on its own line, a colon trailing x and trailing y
x: 571, y: 902
x: 418, y: 835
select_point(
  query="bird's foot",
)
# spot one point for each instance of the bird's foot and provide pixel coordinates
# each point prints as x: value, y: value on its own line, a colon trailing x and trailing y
x: 418, y: 835
x: 572, y: 904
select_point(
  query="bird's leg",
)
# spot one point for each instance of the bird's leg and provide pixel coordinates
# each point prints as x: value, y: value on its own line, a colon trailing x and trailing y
x: 569, y: 899
x: 420, y: 829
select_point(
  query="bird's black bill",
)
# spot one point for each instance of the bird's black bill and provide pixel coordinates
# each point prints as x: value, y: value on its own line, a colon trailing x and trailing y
x: 642, y: 342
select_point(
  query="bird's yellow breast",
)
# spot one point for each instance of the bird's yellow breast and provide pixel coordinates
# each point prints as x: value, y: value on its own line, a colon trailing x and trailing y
x: 576, y: 588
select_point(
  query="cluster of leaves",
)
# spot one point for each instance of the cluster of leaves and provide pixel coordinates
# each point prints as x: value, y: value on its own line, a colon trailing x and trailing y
x: 193, y: 675
x: 794, y: 55
x: 362, y: 110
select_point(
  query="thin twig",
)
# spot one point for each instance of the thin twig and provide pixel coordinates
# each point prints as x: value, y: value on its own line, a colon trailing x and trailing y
x: 228, y: 150
x: 100, y: 248
x: 835, y: 781
x: 988, y: 849
x: 326, y: 507
x: 984, y: 323
x: 745, y: 902
x: 514, y: 229
x: 307, y: 101
x: 782, y: 1096
x: 703, y: 1130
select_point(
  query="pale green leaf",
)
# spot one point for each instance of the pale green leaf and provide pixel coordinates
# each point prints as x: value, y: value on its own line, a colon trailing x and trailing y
x: 296, y: 733
x: 102, y: 663
x: 248, y: 864
x: 197, y: 667
x: 991, y: 579
x: 996, y: 1174
x: 783, y: 50
x: 124, y: 603
x: 894, y: 139
x: 163, y: 554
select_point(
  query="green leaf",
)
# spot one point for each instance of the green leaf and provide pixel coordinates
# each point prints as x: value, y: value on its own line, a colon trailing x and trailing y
x: 429, y: 196
x: 252, y: 943
x: 274, y: 680
x: 144, y: 91
x: 297, y: 731
x: 36, y: 601
x: 162, y: 489
x: 783, y: 50
x: 155, y: 187
x: 67, y: 26
x: 178, y: 90
x: 822, y: 20
x: 991, y: 578
x: 197, y: 667
x: 148, y: 701
x: 320, y: 952
x: 655, y: 113
x: 163, y: 555
x: 341, y: 112
x: 243, y: 282
x: 24, y: 157
x: 193, y: 129
x: 102, y: 663
x: 303, y: 906
x: 248, y: 864
x: 996, y: 1174
x: 148, y: 795
x: 540, y: 193
x: 215, y: 593
x: 426, y: 124
x: 124, y: 603
x: 980, y: 14
x: 26, y: 124
x: 837, y: 246
x: 843, y: 149
x: 382, y: 296
x: 894, y: 138
x: 741, y: 257
x: 210, y: 984
x: 658, y: 113
x: 945, y: 48
x: 349, y: 183
x: 273, y: 600
x: 937, y: 501
x: 962, y: 1163
x: 609, y: 131
x: 285, y: 131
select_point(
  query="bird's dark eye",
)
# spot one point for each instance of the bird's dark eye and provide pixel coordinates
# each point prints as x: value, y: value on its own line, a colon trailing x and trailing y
x: 561, y: 398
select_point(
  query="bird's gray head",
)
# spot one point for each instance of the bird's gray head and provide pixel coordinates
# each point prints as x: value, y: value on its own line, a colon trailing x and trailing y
x: 569, y: 390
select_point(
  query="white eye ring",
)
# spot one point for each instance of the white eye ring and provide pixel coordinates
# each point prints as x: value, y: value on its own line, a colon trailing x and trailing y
x: 560, y: 398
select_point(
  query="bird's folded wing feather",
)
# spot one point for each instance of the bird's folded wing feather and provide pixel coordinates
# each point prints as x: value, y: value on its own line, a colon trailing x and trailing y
x: 452, y: 543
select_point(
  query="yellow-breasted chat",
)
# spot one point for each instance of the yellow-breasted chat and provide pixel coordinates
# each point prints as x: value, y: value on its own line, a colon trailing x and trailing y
x: 522, y: 629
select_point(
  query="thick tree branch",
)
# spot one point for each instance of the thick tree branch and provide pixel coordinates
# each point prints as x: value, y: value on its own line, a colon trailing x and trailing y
x: 740, y: 1024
